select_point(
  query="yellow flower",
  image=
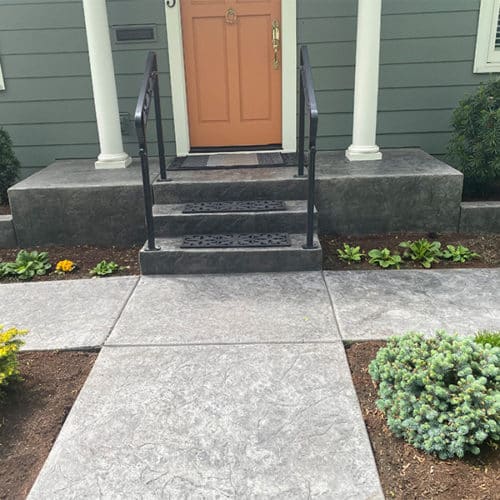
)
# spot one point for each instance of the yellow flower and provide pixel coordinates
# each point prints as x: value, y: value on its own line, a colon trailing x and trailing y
x: 65, y: 266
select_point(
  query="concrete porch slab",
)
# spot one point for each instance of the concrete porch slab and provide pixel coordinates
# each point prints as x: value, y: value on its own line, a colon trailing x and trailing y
x: 65, y: 314
x: 377, y: 304
x: 408, y: 190
x: 207, y: 309
x: 72, y: 203
x: 267, y: 421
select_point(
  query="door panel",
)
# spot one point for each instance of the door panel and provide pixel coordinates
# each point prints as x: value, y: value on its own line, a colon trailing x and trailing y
x: 234, y: 91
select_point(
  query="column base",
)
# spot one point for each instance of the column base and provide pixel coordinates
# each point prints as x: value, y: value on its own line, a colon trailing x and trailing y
x: 113, y: 161
x: 363, y: 153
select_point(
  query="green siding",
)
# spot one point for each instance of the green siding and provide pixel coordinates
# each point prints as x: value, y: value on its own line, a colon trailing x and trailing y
x: 427, y: 55
x: 426, y: 68
x: 48, y: 107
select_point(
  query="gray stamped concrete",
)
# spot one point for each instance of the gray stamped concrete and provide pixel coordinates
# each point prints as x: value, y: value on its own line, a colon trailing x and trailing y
x: 226, y: 309
x: 65, y: 314
x: 246, y: 421
x: 375, y: 304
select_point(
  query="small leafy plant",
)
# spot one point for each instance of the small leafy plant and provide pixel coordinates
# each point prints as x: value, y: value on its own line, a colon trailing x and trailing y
x: 9, y: 347
x: 350, y: 254
x: 384, y: 258
x: 27, y: 265
x: 440, y: 394
x: 491, y: 338
x: 422, y: 251
x: 459, y: 253
x: 105, y: 268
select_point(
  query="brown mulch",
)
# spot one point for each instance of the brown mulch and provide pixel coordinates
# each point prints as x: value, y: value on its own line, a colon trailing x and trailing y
x: 486, y: 245
x: 4, y: 209
x: 32, y: 413
x: 85, y: 257
x: 407, y: 473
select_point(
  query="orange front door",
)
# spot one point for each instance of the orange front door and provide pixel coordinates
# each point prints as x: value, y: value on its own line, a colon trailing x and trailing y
x: 233, y: 71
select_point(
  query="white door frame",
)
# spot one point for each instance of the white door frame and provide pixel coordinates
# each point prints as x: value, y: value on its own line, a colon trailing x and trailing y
x: 289, y: 76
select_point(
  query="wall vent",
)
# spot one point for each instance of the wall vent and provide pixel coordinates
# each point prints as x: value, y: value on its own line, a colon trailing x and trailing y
x: 128, y: 34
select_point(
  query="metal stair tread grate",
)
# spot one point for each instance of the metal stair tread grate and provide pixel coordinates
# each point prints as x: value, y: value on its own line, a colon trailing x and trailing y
x: 236, y: 240
x: 234, y: 206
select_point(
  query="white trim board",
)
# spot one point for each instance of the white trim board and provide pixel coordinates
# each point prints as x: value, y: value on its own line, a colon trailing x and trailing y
x: 289, y: 74
x: 487, y: 58
x: 2, y: 82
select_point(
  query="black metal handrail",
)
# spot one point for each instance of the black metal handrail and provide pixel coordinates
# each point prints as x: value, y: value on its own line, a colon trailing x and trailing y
x: 308, y: 101
x: 149, y: 92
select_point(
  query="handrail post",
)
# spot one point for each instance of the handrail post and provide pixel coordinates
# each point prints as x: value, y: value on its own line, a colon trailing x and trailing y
x: 302, y: 121
x: 149, y: 90
x: 148, y: 198
x: 308, y: 97
x: 159, y: 125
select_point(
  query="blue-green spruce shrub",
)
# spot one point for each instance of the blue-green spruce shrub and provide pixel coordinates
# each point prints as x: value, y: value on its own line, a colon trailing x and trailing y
x: 442, y: 394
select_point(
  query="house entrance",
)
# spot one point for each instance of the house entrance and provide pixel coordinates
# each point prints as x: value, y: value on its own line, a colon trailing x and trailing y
x: 233, y: 71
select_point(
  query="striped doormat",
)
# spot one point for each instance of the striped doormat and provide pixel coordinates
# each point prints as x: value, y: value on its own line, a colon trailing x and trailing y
x: 231, y: 160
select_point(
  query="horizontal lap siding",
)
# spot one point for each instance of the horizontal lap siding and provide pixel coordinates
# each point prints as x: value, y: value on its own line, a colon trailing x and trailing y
x: 427, y: 54
x: 426, y: 68
x: 48, y: 107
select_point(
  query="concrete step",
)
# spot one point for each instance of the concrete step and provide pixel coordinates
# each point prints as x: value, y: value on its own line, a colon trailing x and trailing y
x: 171, y: 221
x: 245, y: 184
x: 172, y: 259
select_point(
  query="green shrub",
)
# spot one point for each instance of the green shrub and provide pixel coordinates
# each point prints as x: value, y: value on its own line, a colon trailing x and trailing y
x: 491, y: 338
x: 474, y: 148
x: 9, y: 165
x: 384, y: 258
x: 350, y: 254
x: 9, y: 347
x: 27, y: 265
x: 442, y: 395
x: 422, y: 251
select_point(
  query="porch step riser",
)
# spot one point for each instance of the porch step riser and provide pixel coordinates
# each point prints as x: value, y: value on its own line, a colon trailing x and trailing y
x: 191, y: 192
x: 172, y: 260
x: 182, y: 224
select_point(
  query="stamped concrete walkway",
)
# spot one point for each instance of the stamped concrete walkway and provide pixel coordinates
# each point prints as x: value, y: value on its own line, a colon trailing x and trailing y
x: 230, y: 386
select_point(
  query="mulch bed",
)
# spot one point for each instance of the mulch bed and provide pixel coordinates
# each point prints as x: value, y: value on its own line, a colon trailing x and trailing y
x: 407, y: 473
x: 85, y: 257
x: 486, y: 245
x: 32, y: 413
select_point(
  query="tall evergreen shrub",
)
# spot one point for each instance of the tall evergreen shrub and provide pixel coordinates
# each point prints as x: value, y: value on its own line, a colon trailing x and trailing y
x: 9, y: 165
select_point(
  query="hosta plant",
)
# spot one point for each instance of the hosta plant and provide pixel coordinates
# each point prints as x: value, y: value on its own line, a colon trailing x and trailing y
x: 459, y: 253
x: 27, y: 265
x: 105, y: 268
x: 384, y: 258
x: 422, y: 251
x: 350, y: 254
x: 440, y: 394
x: 9, y: 347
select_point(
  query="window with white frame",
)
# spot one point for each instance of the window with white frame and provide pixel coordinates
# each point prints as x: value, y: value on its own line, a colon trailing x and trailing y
x: 488, y: 38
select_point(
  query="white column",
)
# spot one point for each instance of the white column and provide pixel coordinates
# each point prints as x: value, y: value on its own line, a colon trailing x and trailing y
x: 104, y: 86
x: 364, y: 133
